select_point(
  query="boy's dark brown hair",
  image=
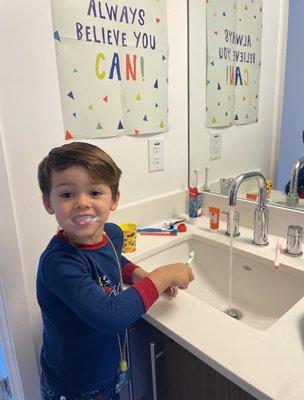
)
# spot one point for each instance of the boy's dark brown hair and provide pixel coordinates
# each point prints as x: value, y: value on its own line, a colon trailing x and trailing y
x: 97, y: 162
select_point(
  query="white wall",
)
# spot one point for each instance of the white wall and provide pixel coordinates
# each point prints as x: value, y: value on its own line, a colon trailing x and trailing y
x: 244, y: 147
x: 31, y: 125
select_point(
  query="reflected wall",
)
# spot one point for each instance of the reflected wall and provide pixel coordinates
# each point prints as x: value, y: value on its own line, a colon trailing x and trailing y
x: 244, y: 147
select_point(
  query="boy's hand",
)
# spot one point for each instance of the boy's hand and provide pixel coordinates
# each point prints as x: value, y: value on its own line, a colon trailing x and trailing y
x: 176, y: 275
x: 181, y: 275
x: 140, y: 273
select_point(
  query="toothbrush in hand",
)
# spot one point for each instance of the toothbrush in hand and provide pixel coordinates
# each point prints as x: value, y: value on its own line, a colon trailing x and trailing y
x: 172, y: 291
x: 191, y: 258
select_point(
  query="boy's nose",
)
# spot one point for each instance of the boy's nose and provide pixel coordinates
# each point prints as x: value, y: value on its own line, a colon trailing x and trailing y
x: 82, y: 206
x: 82, y: 203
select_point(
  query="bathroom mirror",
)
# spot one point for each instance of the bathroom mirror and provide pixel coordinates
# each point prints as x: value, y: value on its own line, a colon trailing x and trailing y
x: 273, y: 144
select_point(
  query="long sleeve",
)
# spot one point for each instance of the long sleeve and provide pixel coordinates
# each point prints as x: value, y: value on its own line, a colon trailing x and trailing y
x: 127, y: 270
x: 69, y: 279
x: 145, y: 287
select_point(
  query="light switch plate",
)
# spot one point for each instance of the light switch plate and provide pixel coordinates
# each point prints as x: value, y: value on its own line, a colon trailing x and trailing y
x: 215, y: 145
x: 156, y: 154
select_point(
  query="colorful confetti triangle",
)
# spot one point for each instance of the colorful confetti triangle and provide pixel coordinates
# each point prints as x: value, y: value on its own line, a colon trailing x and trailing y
x: 57, y: 36
x: 68, y: 135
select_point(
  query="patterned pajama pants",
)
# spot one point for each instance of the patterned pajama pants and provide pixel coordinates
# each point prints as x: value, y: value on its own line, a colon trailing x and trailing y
x: 48, y: 394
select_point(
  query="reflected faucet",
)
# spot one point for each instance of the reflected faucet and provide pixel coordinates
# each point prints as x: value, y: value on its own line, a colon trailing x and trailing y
x: 292, y: 199
x: 261, y: 214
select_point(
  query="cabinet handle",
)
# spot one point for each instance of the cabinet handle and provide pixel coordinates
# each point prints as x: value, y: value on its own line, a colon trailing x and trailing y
x: 153, y: 370
x: 159, y: 354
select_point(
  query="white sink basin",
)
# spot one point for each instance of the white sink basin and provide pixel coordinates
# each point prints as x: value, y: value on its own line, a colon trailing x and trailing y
x: 261, y: 293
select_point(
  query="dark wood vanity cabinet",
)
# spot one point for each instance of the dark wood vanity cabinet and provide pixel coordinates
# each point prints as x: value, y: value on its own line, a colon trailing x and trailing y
x: 164, y: 370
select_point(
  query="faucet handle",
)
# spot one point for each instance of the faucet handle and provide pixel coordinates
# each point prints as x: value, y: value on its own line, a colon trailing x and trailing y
x: 292, y: 200
x: 294, y: 241
x: 236, y: 223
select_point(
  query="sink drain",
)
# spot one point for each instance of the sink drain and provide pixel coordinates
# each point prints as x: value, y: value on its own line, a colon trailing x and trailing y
x: 234, y: 313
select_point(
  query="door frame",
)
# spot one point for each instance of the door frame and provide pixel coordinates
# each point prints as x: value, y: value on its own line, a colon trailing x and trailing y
x: 15, y: 324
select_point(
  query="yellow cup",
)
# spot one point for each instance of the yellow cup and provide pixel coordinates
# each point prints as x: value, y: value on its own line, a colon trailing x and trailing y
x: 268, y: 187
x: 129, y: 232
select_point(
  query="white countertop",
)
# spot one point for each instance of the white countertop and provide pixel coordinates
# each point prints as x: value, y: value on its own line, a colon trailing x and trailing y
x: 268, y: 364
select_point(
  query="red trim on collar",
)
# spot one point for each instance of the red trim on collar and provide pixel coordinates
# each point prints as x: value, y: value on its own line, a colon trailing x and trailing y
x: 85, y: 246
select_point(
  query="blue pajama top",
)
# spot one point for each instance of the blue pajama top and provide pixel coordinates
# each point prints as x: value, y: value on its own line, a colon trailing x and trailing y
x: 78, y: 290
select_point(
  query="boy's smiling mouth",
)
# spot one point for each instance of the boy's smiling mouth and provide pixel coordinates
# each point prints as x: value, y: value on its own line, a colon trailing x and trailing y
x: 83, y: 219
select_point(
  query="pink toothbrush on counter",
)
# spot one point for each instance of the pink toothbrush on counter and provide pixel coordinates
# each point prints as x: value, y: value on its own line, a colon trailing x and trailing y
x: 279, y: 250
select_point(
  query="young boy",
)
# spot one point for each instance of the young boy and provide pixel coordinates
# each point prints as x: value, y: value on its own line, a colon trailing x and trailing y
x: 84, y: 310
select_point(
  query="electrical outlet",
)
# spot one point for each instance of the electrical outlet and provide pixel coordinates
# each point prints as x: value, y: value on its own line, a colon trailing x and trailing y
x: 156, y: 154
x: 215, y: 145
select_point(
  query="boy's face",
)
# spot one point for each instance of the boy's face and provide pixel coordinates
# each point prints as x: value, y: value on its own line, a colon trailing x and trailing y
x: 81, y: 205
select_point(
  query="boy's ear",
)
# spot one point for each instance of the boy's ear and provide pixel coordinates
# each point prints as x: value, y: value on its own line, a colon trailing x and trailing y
x: 115, y: 202
x: 47, y: 204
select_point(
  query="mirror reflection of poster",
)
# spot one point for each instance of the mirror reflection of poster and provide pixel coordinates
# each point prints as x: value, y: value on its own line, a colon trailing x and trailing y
x: 234, y: 34
x: 112, y: 59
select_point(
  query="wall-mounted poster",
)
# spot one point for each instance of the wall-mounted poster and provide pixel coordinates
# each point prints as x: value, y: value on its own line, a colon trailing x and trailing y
x: 112, y: 59
x: 234, y: 34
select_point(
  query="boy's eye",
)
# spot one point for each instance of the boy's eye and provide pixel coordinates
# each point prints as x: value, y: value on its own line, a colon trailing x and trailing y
x: 66, y: 195
x: 96, y: 193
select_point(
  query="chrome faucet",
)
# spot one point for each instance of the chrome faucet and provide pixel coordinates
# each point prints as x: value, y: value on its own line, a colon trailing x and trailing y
x: 292, y: 199
x: 261, y: 214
